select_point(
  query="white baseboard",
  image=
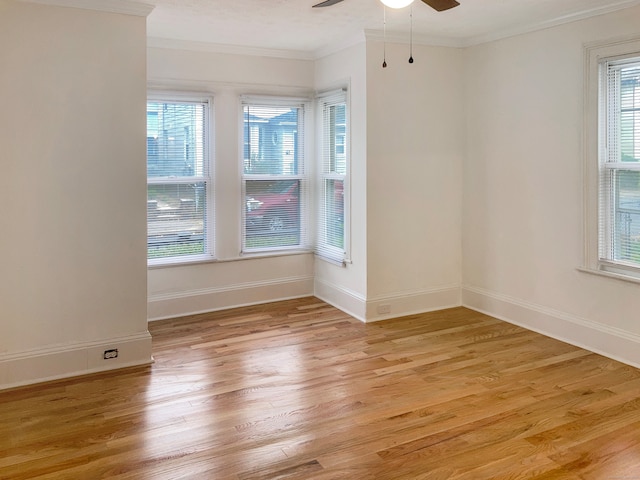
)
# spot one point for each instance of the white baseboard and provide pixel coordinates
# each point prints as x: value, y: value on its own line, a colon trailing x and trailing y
x: 192, y: 302
x: 35, y: 366
x: 350, y: 302
x: 610, y: 342
x: 389, y: 306
x: 410, y: 303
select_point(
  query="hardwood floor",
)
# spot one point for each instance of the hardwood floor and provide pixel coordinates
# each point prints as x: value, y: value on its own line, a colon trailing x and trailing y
x: 299, y: 390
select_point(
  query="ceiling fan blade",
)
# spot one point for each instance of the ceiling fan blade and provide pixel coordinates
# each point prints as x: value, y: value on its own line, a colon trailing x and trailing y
x: 441, y: 5
x: 326, y: 3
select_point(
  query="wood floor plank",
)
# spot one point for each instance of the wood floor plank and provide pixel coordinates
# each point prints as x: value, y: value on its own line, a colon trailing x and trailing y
x: 300, y: 390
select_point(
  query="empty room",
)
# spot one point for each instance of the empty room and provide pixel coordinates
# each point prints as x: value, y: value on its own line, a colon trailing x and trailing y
x: 352, y: 239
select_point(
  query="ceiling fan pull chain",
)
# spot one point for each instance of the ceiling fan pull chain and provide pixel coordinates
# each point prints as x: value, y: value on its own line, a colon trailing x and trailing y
x: 384, y: 41
x: 411, y: 36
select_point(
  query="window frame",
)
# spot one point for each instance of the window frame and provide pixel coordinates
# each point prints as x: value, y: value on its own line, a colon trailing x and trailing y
x: 323, y: 248
x: 302, y: 176
x: 169, y: 96
x: 597, y: 193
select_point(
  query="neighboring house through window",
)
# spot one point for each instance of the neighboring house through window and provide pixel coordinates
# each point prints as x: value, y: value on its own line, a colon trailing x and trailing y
x: 178, y: 181
x: 274, y: 178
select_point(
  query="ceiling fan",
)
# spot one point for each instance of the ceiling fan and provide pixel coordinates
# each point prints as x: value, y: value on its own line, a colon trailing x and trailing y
x: 439, y: 5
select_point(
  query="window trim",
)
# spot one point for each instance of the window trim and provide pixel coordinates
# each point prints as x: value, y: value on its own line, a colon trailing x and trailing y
x: 322, y: 250
x: 168, y: 96
x: 595, y: 55
x: 306, y: 105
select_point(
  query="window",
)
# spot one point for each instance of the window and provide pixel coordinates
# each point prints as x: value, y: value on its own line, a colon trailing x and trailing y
x: 274, y: 180
x: 177, y: 180
x: 331, y: 239
x: 619, y: 163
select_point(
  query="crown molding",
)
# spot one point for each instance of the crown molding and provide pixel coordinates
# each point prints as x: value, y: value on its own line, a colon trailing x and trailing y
x: 336, y: 47
x: 125, y: 7
x: 533, y: 27
x: 130, y: 7
x: 188, y: 45
x: 425, y: 40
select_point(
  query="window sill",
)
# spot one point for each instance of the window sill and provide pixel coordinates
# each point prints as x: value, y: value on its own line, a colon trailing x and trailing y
x: 630, y: 277
x: 182, y: 262
x: 331, y: 260
x: 179, y: 261
x: 275, y: 253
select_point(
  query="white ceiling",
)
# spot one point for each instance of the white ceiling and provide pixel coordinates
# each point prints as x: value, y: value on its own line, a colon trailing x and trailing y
x: 292, y: 25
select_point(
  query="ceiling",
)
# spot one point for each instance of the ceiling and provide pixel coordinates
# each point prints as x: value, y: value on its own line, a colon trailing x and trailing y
x: 293, y: 26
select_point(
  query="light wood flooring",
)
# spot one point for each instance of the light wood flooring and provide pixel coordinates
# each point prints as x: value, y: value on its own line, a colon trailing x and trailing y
x: 299, y: 390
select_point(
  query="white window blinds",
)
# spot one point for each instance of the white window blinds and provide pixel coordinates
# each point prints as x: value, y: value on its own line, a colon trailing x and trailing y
x: 331, y: 241
x: 177, y: 179
x: 619, y: 198
x: 274, y: 181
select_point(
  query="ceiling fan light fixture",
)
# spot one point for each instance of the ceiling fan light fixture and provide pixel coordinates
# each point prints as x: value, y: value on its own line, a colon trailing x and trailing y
x: 397, y: 3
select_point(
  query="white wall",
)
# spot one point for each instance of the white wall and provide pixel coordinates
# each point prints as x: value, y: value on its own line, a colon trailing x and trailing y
x: 346, y: 287
x: 72, y: 195
x: 523, y: 184
x: 232, y: 280
x: 415, y: 147
x: 405, y: 231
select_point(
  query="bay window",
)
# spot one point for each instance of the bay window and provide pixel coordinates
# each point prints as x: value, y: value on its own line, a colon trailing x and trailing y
x: 281, y: 208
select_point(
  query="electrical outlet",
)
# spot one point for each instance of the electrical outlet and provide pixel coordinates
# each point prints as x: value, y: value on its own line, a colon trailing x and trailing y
x: 385, y: 308
x: 108, y: 354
